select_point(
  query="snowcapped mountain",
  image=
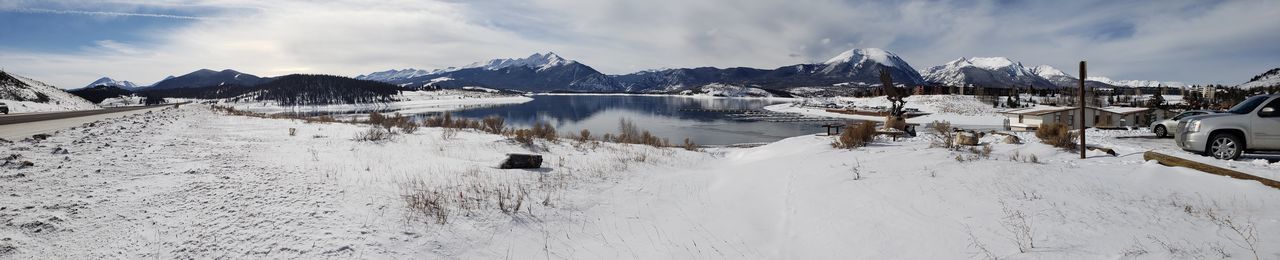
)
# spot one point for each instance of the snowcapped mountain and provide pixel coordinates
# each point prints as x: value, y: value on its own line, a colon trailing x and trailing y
x: 105, y: 81
x: 1271, y: 78
x: 1062, y: 79
x: 537, y: 61
x: 998, y: 72
x: 393, y: 75
x: 206, y: 78
x: 23, y: 95
x: 1139, y: 83
x: 856, y: 67
x: 538, y: 72
x: 863, y: 65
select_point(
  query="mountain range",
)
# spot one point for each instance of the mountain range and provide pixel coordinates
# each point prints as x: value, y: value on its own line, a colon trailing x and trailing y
x: 549, y: 72
x: 852, y: 68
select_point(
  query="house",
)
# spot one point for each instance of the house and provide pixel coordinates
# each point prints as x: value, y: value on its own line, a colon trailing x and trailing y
x: 1023, y: 119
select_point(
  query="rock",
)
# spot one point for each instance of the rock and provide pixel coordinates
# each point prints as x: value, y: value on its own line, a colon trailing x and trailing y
x: 25, y: 164
x: 40, y: 136
x: 1009, y: 139
x: 521, y: 161
x: 966, y: 138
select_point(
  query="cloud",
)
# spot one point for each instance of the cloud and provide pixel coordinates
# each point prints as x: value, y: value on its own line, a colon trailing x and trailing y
x: 1191, y: 41
x: 97, y: 13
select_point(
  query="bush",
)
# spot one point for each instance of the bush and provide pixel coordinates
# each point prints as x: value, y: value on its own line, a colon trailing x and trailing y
x: 408, y: 126
x: 373, y: 135
x: 524, y: 136
x: 856, y: 135
x: 493, y: 124
x: 583, y: 136
x: 544, y: 131
x: 946, y: 136
x: 1057, y: 135
x: 689, y: 145
x: 627, y: 132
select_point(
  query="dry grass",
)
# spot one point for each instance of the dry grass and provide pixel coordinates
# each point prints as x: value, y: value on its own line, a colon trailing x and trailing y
x: 1057, y: 135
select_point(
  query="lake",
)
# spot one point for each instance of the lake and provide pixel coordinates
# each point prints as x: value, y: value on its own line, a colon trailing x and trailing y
x: 705, y: 121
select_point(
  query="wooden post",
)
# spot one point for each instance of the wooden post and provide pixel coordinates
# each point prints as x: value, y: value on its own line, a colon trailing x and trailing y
x: 1082, y: 109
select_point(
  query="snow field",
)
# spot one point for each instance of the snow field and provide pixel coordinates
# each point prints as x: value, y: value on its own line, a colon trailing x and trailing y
x: 190, y: 183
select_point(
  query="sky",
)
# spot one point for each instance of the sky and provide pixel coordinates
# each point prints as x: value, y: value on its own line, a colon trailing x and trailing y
x: 70, y: 43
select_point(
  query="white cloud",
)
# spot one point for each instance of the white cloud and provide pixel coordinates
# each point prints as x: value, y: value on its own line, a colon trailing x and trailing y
x: 1167, y: 40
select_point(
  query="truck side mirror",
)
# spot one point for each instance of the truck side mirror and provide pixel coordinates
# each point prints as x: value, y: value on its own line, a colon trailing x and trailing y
x: 1268, y: 112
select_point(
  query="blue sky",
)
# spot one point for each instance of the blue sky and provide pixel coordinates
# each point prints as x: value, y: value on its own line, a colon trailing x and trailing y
x: 72, y: 42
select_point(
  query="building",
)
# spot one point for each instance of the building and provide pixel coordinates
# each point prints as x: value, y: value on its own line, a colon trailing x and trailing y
x: 1023, y: 119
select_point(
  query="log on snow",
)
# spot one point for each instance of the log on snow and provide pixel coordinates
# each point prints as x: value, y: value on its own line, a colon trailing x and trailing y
x: 1169, y: 160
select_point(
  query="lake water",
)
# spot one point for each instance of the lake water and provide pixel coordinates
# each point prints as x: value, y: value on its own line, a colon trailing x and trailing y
x: 674, y: 118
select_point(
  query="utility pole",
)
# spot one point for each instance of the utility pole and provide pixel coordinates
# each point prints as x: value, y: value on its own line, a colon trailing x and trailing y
x: 1082, y: 109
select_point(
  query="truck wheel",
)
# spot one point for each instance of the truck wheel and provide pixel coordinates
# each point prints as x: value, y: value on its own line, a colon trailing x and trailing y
x: 1161, y: 132
x: 1225, y: 146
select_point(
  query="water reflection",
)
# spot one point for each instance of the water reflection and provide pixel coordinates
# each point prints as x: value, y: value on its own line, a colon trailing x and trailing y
x: 674, y: 118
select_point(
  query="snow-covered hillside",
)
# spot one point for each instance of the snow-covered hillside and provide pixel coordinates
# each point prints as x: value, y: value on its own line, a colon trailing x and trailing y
x: 999, y: 72
x: 24, y: 95
x: 722, y: 90
x: 1270, y: 78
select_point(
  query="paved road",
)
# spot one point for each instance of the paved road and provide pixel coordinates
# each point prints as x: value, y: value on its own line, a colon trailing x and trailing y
x: 42, y: 116
x: 18, y: 126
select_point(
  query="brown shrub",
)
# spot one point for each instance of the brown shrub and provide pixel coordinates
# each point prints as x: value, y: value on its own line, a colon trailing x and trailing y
x: 523, y: 136
x: 583, y: 136
x: 1057, y: 135
x: 544, y: 131
x: 493, y: 124
x: 856, y: 135
x: 372, y: 135
x: 944, y: 134
x: 689, y: 145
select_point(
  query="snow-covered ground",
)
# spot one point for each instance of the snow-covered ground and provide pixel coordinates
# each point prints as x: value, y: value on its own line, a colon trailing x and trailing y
x: 959, y: 110
x: 411, y: 102
x: 190, y: 183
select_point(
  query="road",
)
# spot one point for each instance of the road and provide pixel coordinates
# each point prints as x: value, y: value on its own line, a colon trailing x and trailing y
x: 18, y: 126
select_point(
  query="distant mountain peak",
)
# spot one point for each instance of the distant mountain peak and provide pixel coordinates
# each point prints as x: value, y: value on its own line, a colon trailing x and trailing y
x: 537, y: 61
x: 207, y: 77
x: 1048, y: 71
x: 872, y: 54
x: 992, y: 63
x: 998, y: 72
x: 107, y: 81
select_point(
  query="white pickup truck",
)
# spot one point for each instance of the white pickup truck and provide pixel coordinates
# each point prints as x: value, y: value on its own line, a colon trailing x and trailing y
x: 1251, y: 126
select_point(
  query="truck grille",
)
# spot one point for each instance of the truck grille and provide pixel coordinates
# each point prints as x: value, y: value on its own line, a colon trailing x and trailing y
x: 1178, y: 135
